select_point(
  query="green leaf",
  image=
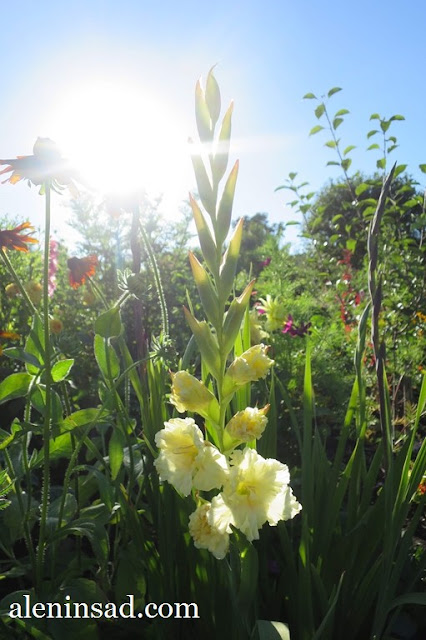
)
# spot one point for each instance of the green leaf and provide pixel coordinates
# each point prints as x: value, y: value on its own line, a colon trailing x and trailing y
x: 234, y: 318
x: 229, y: 263
x: 333, y: 163
x: 224, y: 213
x: 400, y: 168
x: 61, y: 369
x: 116, y: 452
x: 349, y: 149
x: 396, y: 117
x: 381, y: 163
x: 310, y: 96
x: 372, y: 133
x: 59, y: 447
x: 320, y: 110
x: 315, y: 129
x: 208, y: 295
x: 337, y: 122
x: 270, y: 630
x: 373, y: 146
x: 38, y: 401
x: 18, y: 353
x: 351, y: 244
x: 212, y: 97
x: 81, y: 418
x: 361, y: 188
x: 208, y: 246
x: 15, y: 386
x: 202, y: 115
x: 204, y: 187
x: 333, y: 91
x: 384, y: 125
x: 422, y: 168
x: 331, y: 144
x: 341, y: 112
x: 70, y: 508
x: 106, y: 358
x: 131, y: 570
x: 418, y: 598
x: 207, y: 343
x: 346, y: 163
x: 6, y: 438
x: 220, y: 161
x: 34, y: 345
x: 108, y: 324
x: 374, y: 116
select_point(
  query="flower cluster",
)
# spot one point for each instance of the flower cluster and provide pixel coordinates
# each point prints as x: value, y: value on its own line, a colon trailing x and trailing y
x: 245, y: 490
x: 252, y: 490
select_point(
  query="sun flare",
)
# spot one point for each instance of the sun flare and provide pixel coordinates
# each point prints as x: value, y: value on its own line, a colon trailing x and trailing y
x: 121, y: 139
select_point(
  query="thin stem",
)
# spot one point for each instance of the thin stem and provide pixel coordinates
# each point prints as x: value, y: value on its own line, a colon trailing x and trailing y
x: 336, y: 141
x: 48, y: 385
x: 157, y: 278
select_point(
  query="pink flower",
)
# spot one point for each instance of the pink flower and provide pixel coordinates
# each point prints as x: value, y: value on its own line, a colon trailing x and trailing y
x: 53, y: 266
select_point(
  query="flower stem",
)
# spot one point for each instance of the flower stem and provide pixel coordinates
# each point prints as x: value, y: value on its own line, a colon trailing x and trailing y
x: 48, y: 385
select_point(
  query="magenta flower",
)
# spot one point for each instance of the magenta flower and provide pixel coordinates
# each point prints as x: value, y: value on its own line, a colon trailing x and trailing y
x: 293, y: 330
x: 265, y: 263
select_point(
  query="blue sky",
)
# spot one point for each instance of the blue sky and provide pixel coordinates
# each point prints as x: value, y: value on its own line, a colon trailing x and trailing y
x: 268, y: 55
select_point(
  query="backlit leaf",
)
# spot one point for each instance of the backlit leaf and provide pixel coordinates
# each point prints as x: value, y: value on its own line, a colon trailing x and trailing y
x: 333, y: 91
x: 315, y: 129
x: 319, y: 111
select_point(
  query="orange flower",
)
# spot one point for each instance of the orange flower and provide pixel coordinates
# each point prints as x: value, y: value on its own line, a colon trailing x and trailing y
x: 8, y: 335
x: 56, y: 325
x: 11, y: 238
x: 46, y: 163
x: 80, y: 269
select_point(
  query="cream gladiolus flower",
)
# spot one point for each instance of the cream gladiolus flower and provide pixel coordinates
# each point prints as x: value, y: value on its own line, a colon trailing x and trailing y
x: 257, y: 334
x: 275, y: 312
x: 190, y: 394
x: 205, y: 535
x: 248, y: 424
x: 256, y: 492
x: 180, y: 442
x: 186, y: 460
x: 252, y: 365
x: 212, y: 469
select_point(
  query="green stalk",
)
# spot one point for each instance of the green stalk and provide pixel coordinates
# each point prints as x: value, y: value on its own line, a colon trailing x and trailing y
x: 157, y: 278
x: 48, y: 385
